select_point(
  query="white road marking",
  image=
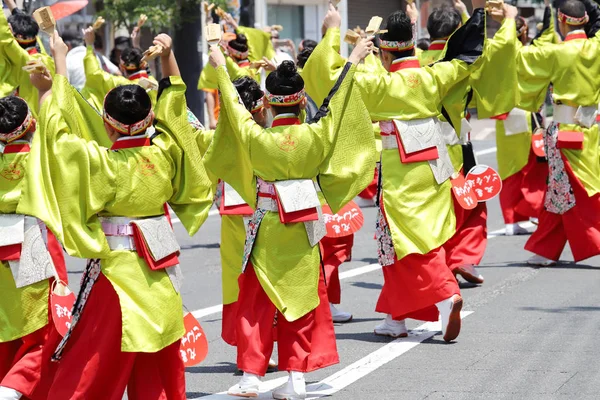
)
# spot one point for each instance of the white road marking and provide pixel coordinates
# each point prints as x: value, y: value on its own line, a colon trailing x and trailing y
x: 357, y: 370
x: 486, y: 151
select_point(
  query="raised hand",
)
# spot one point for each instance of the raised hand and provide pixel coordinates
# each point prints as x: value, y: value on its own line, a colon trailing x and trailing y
x: 363, y: 48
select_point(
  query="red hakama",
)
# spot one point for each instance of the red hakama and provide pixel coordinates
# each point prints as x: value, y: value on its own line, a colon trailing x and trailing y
x: 468, y: 244
x: 580, y: 226
x: 25, y: 362
x: 228, y: 323
x: 370, y: 191
x: 412, y: 286
x: 522, y: 195
x: 304, y: 345
x: 94, y: 367
x: 334, y: 252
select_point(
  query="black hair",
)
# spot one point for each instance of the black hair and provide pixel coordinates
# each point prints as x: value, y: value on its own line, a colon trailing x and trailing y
x: 285, y: 80
x: 13, y: 111
x: 249, y: 91
x: 240, y: 43
x: 423, y: 44
x: 303, y: 56
x: 308, y: 43
x: 72, y: 38
x: 23, y: 26
x: 443, y: 22
x: 128, y: 104
x: 399, y: 29
x: 98, y: 42
x: 132, y: 56
x: 573, y: 8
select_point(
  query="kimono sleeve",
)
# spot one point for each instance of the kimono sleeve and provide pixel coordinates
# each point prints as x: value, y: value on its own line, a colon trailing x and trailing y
x: 192, y: 189
x: 69, y: 179
x: 535, y: 67
x: 11, y: 50
x: 228, y: 156
x: 348, y: 166
x: 323, y: 67
x: 97, y: 79
x: 259, y: 43
x: 548, y: 33
x: 497, y: 67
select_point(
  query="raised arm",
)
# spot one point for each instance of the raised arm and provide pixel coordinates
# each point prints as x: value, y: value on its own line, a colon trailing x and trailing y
x: 95, y: 77
x: 11, y: 50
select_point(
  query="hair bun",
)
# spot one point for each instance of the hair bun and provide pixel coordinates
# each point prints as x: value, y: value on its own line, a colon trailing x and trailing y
x: 287, y: 69
x: 241, y: 38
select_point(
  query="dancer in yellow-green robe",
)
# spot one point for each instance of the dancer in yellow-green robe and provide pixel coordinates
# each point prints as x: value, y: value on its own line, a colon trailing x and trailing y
x: 99, y: 82
x: 415, y: 194
x: 16, y: 50
x: 572, y: 202
x: 281, y: 260
x: 102, y: 203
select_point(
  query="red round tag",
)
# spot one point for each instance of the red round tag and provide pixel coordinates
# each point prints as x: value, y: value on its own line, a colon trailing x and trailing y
x: 537, y: 143
x: 194, y: 346
x: 462, y: 192
x: 484, y: 182
x: 346, y: 222
x: 61, y: 303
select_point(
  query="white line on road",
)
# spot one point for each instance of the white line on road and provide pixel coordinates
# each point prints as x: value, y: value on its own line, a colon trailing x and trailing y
x: 355, y: 371
x: 486, y: 151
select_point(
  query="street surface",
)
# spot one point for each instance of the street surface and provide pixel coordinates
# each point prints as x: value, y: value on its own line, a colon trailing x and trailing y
x: 528, y: 333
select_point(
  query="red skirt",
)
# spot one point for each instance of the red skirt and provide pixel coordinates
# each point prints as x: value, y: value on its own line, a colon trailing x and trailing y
x: 334, y: 252
x: 522, y: 195
x: 370, y: 191
x: 468, y: 244
x: 412, y: 286
x: 304, y: 345
x: 580, y: 226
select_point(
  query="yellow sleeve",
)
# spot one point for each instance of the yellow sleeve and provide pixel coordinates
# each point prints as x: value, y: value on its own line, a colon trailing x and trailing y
x: 259, y: 43
x: 70, y: 179
x: 535, y: 68
x: 98, y: 79
x: 11, y: 50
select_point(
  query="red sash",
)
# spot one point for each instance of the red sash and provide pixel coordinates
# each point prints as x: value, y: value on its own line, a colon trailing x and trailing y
x: 144, y: 252
x: 11, y: 252
x: 17, y: 148
x: 570, y: 140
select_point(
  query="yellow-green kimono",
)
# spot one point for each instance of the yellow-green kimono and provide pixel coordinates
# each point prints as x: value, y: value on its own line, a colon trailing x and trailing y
x: 76, y: 181
x: 99, y: 82
x: 22, y: 310
x: 338, y: 151
x: 514, y: 150
x: 437, y: 47
x: 573, y: 68
x: 413, y: 200
x: 208, y: 76
x: 259, y: 43
x: 233, y: 235
x: 13, y: 80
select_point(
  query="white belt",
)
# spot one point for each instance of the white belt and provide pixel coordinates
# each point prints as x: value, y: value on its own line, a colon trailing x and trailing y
x: 582, y: 116
x: 267, y: 203
x: 119, y: 233
x: 389, y: 142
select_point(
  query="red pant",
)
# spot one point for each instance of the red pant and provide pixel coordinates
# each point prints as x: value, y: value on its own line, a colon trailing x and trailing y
x: 370, y: 191
x: 580, y: 226
x: 94, y: 367
x: 334, y: 252
x: 467, y: 246
x: 522, y: 194
x: 413, y: 285
x: 25, y: 362
x: 228, y: 323
x: 304, y: 345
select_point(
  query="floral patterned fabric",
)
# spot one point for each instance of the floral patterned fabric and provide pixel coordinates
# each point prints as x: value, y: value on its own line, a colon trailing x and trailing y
x: 559, y: 195
x: 251, y: 232
x: 91, y: 274
x: 385, y: 246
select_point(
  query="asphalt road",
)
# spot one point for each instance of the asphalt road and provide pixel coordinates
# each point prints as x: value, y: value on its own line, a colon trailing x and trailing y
x: 532, y: 333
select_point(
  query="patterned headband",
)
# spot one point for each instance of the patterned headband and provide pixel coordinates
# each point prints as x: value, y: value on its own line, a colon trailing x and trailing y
x: 132, y: 129
x: 240, y: 55
x: 25, y: 41
x: 562, y: 17
x: 392, y: 45
x: 133, y: 67
x: 287, y: 100
x: 260, y: 104
x: 19, y: 131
